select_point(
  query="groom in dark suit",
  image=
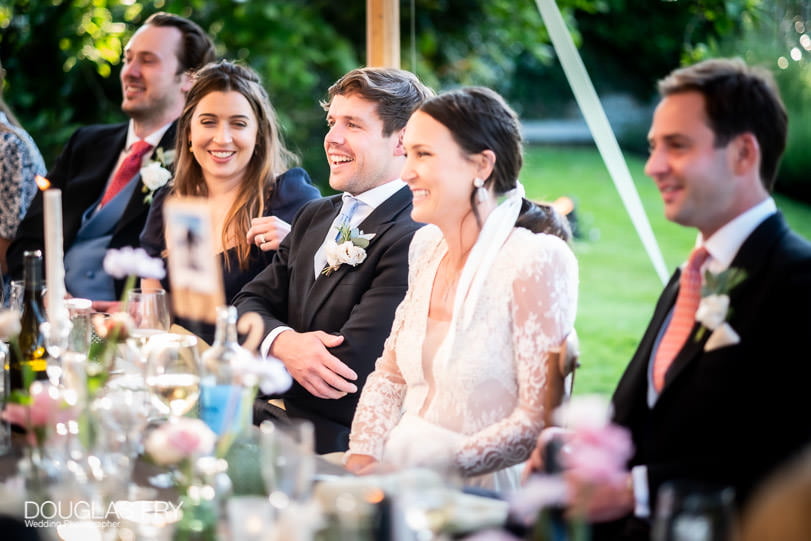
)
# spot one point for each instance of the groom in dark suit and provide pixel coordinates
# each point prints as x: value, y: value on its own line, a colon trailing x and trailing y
x: 708, y: 394
x: 328, y: 313
x: 103, y: 196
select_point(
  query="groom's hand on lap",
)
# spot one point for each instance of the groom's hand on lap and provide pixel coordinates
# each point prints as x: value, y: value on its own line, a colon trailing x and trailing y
x: 306, y: 357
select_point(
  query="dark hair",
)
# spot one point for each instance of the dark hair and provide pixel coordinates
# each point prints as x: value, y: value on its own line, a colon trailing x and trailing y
x: 543, y: 218
x: 270, y: 156
x: 738, y: 99
x: 397, y: 93
x: 197, y: 48
x: 479, y: 119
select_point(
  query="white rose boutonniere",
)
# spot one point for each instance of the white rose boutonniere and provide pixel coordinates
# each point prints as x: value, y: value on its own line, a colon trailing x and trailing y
x: 350, y: 248
x: 714, y: 310
x: 155, y: 174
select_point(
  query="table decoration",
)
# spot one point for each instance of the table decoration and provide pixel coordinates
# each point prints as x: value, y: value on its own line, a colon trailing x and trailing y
x: 592, y: 449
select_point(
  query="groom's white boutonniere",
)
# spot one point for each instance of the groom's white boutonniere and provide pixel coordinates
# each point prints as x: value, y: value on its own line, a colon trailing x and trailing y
x: 350, y: 248
x: 713, y: 309
x: 156, y: 173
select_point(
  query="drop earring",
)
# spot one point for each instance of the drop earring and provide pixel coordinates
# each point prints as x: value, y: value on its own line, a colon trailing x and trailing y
x: 481, y: 191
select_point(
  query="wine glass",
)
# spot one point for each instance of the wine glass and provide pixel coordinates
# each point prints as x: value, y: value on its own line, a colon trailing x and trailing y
x: 149, y: 310
x: 173, y: 372
x: 288, y: 460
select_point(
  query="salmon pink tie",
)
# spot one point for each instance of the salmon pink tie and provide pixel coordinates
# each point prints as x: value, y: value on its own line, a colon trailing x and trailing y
x: 127, y: 170
x: 684, y: 316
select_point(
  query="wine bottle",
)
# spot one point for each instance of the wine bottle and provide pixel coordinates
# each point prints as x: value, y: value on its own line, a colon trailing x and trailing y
x: 221, y: 397
x: 29, y: 362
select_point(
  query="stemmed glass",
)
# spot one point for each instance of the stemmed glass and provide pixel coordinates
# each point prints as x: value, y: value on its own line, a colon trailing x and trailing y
x: 173, y: 377
x: 173, y: 372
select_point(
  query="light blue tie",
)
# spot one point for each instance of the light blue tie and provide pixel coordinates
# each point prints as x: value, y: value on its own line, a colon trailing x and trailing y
x: 349, y: 208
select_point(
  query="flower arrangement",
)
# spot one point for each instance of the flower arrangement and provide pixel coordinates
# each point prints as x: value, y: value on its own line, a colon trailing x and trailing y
x: 592, y: 448
x: 130, y: 263
x: 349, y: 248
x: 179, y: 441
x: 156, y: 174
x: 42, y: 408
x: 268, y: 375
x: 714, y: 310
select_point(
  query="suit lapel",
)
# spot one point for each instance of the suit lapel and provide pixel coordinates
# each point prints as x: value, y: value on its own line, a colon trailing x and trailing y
x: 136, y: 205
x: 378, y: 222
x: 751, y: 257
x: 636, y: 376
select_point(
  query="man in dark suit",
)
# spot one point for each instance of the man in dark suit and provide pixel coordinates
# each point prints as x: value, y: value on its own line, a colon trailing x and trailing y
x: 707, y: 395
x: 327, y: 318
x: 103, y: 197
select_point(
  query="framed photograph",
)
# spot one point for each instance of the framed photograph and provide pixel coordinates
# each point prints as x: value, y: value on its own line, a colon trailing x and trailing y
x: 195, y: 270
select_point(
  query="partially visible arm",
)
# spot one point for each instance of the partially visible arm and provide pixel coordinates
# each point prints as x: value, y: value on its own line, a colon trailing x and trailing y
x: 293, y: 189
x: 543, y: 310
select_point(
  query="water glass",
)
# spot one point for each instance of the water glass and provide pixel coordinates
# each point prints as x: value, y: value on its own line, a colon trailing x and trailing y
x: 288, y: 460
x: 693, y: 511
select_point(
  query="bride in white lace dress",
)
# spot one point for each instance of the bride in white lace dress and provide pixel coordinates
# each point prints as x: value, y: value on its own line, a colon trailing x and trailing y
x: 462, y: 375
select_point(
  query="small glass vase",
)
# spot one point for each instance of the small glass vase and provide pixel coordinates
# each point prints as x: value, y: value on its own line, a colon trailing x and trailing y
x: 203, y: 501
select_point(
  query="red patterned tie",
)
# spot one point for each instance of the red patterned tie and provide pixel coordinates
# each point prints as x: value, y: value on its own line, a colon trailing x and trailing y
x: 127, y: 170
x: 684, y: 316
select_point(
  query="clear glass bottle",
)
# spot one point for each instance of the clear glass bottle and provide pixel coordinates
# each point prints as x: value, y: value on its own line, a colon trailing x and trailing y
x: 31, y: 354
x: 222, y: 398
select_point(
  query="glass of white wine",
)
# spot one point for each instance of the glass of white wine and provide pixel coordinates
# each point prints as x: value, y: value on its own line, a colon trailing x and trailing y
x: 149, y: 309
x: 173, y: 373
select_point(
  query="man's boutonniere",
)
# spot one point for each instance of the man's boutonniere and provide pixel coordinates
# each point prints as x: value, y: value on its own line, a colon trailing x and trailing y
x: 156, y: 173
x: 350, y: 248
x: 713, y: 310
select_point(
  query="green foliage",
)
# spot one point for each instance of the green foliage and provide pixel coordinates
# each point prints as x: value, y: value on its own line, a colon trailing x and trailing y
x: 773, y: 39
x: 63, y: 56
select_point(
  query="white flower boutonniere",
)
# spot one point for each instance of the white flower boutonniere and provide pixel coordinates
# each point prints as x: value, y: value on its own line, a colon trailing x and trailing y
x: 350, y: 248
x: 713, y: 310
x: 156, y: 173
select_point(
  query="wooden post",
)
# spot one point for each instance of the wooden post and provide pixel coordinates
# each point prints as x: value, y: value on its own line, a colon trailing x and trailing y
x: 383, y: 33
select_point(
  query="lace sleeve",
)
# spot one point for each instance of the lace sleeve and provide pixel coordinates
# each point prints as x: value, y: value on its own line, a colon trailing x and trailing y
x: 381, y: 400
x: 543, y: 309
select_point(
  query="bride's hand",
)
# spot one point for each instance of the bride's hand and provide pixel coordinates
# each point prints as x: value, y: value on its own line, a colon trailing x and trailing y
x: 361, y: 464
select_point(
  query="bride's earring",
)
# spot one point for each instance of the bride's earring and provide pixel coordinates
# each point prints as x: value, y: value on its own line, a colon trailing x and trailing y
x: 481, y: 191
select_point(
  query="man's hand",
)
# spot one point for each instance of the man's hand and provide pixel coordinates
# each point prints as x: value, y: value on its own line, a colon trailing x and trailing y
x: 267, y: 232
x: 306, y: 357
x: 361, y: 464
x: 600, y: 502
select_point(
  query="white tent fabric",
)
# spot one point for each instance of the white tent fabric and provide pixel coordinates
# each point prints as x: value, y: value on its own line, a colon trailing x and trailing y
x: 597, y: 122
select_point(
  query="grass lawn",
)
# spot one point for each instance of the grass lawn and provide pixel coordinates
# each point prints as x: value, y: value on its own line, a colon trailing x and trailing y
x: 618, y: 284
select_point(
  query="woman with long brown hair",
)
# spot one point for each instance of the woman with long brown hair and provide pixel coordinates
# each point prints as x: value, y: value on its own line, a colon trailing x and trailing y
x: 229, y: 150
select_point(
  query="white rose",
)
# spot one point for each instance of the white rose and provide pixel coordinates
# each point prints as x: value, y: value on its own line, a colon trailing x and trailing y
x: 355, y: 255
x: 154, y: 176
x: 712, y: 310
